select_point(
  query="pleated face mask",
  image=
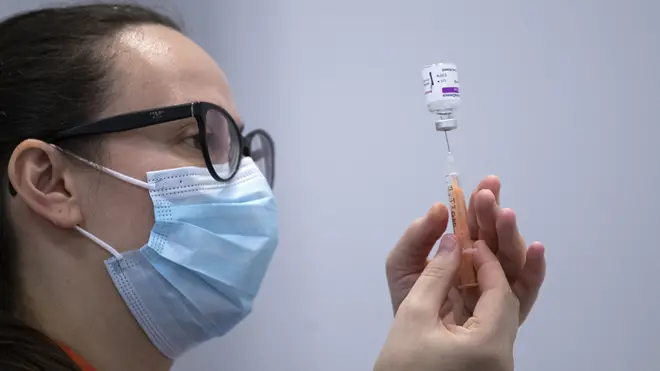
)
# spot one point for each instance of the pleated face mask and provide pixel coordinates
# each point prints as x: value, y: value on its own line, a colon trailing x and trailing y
x: 207, y: 254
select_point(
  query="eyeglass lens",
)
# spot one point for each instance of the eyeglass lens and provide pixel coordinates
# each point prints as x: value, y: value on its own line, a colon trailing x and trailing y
x: 223, y: 143
x: 261, y: 151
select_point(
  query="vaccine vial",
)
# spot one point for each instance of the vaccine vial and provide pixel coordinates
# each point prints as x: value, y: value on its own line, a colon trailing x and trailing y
x: 442, y: 93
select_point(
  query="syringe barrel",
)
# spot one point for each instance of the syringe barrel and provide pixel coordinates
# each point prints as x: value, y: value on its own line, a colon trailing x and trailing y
x: 459, y: 218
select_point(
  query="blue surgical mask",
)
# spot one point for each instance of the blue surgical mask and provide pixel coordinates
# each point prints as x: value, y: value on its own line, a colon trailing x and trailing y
x: 208, y: 252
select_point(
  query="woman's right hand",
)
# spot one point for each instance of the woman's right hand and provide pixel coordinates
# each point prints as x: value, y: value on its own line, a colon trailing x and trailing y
x: 421, y: 341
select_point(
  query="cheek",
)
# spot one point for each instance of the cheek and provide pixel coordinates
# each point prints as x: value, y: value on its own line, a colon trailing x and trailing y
x: 120, y: 214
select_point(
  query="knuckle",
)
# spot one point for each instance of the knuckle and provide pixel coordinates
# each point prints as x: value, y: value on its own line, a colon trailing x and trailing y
x: 511, y: 298
x: 411, y: 309
x: 438, y: 271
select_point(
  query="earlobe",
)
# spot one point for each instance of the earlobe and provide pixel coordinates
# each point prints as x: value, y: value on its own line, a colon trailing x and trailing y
x: 40, y: 175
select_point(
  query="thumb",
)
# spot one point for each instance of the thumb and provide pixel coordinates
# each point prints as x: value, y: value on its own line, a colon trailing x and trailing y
x: 432, y: 287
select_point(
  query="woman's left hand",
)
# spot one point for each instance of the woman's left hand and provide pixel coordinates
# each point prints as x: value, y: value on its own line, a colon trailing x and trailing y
x: 524, y: 267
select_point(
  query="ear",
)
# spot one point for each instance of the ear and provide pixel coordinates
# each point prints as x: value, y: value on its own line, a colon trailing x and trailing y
x: 40, y: 175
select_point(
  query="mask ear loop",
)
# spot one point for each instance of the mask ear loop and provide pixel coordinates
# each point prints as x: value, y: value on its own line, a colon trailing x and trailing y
x: 100, y: 242
x: 110, y: 172
x: 117, y: 175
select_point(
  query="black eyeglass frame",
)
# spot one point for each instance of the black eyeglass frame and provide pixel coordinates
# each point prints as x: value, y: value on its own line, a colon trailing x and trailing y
x: 155, y: 116
x: 271, y: 165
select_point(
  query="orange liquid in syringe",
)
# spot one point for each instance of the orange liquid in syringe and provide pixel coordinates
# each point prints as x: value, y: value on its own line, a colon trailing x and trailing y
x: 467, y: 275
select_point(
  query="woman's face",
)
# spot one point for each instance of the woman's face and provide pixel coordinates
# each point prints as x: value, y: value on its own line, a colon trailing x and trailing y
x: 156, y: 67
x: 65, y: 283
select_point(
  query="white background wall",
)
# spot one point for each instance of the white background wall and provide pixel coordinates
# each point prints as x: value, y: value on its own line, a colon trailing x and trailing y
x: 559, y: 99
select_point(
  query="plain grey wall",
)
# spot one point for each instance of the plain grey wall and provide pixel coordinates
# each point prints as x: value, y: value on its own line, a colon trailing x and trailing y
x: 559, y: 100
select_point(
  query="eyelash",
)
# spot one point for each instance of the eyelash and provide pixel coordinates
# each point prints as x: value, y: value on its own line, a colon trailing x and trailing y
x: 193, y: 140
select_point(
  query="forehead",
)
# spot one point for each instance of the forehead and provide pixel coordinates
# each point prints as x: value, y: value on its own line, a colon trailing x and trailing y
x: 156, y: 66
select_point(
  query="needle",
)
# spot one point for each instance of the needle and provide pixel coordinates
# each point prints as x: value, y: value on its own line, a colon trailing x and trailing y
x: 447, y: 140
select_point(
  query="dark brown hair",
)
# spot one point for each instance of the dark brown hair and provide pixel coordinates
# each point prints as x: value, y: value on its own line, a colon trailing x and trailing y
x: 54, y: 73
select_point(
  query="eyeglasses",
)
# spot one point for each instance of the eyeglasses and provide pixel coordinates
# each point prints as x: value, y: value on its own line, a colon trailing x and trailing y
x: 219, y: 139
x: 262, y: 151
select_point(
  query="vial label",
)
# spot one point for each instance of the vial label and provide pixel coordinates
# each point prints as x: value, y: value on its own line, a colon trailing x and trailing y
x: 441, y: 82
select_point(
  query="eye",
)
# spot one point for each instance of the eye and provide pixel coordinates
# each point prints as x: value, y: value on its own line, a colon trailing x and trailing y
x: 195, y: 142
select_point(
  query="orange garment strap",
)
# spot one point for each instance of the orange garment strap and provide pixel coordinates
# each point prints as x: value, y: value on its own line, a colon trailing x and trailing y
x: 84, y: 366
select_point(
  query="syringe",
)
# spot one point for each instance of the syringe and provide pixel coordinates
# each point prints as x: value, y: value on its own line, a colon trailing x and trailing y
x: 459, y: 219
x: 442, y: 98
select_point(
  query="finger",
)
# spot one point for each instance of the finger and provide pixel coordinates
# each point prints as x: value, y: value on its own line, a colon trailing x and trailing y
x: 461, y: 312
x: 497, y: 307
x: 492, y: 183
x: 429, y: 293
x: 487, y: 211
x: 512, y: 250
x: 410, y: 253
x: 531, y: 277
x: 453, y: 312
x: 447, y: 307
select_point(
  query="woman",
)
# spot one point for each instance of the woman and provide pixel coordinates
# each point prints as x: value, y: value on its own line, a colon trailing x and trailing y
x: 135, y: 225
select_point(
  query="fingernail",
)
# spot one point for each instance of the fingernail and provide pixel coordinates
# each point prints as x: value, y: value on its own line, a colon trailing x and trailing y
x: 542, y: 248
x: 539, y: 246
x: 447, y: 245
